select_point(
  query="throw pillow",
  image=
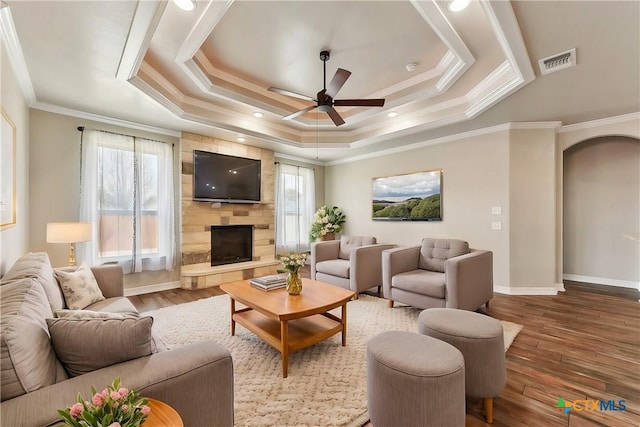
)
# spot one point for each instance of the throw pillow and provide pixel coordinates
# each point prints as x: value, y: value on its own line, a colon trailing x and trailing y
x: 79, y: 287
x: 28, y: 361
x: 84, y: 345
x: 87, y: 314
x: 36, y: 265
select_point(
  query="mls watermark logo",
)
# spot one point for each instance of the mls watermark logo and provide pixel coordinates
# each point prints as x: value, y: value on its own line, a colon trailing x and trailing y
x: 565, y: 406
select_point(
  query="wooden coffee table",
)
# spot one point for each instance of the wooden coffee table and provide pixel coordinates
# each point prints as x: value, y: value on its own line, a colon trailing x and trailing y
x: 289, y: 322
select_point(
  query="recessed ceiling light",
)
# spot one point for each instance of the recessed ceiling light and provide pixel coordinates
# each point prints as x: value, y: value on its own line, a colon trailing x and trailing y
x: 458, y: 5
x: 240, y: 139
x: 392, y: 113
x: 257, y: 114
x: 185, y: 4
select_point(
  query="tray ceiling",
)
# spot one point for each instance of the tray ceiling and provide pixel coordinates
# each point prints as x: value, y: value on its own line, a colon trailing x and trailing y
x: 207, y: 71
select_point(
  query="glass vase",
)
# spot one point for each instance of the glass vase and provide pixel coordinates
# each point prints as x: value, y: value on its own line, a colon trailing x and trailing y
x: 294, y: 283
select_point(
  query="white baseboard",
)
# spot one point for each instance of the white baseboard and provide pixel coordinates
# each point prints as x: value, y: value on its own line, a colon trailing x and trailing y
x: 147, y: 289
x: 525, y: 290
x: 560, y: 287
x: 602, y: 281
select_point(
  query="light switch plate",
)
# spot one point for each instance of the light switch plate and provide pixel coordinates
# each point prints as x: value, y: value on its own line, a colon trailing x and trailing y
x: 496, y: 225
x: 496, y: 210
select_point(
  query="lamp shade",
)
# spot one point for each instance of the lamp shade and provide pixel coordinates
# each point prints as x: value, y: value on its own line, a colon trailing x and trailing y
x: 68, y: 232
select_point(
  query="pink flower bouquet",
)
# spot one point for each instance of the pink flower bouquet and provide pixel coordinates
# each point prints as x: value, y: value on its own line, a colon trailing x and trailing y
x: 114, y: 406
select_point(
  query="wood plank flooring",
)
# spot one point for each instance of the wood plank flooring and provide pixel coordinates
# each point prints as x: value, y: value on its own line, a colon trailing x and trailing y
x: 583, y: 344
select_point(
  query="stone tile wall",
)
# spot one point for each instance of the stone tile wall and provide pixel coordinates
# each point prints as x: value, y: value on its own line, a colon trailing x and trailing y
x: 197, y: 217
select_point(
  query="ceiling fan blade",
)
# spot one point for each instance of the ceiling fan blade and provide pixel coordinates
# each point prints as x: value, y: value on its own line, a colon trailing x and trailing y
x: 299, y: 113
x: 289, y: 93
x: 335, y: 117
x: 358, y: 102
x: 337, y: 82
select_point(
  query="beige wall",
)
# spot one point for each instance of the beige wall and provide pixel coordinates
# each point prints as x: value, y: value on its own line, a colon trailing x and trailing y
x: 475, y: 179
x: 532, y: 208
x: 14, y: 241
x: 54, y: 158
x: 602, y: 210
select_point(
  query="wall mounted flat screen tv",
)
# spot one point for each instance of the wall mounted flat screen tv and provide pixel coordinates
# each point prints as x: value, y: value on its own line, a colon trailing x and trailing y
x: 222, y: 178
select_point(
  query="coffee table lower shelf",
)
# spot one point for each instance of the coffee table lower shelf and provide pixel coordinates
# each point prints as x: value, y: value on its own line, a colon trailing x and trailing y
x: 292, y: 335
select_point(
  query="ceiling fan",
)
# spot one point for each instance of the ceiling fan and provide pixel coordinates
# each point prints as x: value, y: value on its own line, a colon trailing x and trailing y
x: 324, y: 99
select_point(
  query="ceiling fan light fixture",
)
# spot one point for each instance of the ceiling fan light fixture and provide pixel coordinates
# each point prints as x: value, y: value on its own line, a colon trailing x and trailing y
x: 257, y: 114
x: 185, y: 4
x: 458, y: 5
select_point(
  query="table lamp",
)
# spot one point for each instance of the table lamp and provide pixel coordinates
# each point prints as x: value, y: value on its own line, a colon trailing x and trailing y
x: 69, y: 232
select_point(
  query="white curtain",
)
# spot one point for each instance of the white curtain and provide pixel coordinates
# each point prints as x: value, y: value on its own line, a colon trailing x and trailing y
x: 127, y: 193
x: 295, y: 206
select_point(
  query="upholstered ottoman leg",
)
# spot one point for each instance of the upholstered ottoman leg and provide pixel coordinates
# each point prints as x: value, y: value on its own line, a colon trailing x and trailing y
x: 480, y: 340
x: 414, y: 381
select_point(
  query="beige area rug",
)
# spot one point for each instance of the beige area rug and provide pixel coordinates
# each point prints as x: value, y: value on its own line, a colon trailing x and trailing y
x: 327, y: 383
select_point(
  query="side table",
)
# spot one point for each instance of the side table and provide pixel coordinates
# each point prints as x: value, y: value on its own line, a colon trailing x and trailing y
x: 162, y: 415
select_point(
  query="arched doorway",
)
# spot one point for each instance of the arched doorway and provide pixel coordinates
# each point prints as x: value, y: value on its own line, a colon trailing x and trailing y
x: 601, y: 211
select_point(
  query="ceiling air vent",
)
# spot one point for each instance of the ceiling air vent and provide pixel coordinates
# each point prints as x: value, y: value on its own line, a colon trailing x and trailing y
x: 558, y: 62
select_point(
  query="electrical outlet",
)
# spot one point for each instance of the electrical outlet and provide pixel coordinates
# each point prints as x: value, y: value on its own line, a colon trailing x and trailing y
x: 496, y: 210
x: 496, y: 225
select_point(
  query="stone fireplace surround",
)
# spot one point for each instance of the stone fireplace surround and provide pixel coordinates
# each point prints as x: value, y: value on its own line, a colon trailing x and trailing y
x: 197, y: 218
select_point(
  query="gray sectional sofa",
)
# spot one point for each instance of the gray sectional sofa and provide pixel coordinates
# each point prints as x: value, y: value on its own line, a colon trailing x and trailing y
x: 40, y: 355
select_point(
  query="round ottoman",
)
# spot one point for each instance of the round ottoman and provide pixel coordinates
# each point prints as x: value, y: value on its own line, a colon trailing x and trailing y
x: 414, y: 380
x: 480, y: 340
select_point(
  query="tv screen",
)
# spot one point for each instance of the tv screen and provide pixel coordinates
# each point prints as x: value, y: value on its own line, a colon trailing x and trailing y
x: 222, y: 178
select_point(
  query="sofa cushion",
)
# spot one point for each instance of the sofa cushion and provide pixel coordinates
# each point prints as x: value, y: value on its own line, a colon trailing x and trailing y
x: 27, y: 360
x: 84, y: 345
x: 422, y: 282
x: 434, y: 252
x: 120, y: 305
x: 36, y: 265
x: 334, y: 267
x: 80, y: 287
x: 347, y: 243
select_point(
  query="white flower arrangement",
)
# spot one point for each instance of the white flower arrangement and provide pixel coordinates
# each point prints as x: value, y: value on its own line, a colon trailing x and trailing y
x: 293, y: 262
x: 326, y: 220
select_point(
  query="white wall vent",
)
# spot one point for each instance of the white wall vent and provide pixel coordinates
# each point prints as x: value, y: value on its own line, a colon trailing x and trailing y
x: 558, y: 62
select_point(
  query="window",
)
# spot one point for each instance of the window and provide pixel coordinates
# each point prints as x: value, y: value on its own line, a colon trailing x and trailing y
x: 127, y: 193
x: 295, y: 205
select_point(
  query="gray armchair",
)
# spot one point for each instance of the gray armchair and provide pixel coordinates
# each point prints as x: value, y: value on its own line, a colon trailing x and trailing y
x: 352, y: 262
x: 439, y: 273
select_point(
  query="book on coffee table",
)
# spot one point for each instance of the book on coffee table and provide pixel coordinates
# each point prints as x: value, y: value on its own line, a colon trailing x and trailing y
x: 267, y: 283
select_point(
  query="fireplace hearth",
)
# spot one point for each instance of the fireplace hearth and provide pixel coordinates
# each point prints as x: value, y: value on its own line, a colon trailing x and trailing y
x: 231, y: 244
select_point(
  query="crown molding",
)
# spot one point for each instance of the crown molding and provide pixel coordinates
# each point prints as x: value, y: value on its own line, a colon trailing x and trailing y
x: 102, y: 119
x: 298, y: 159
x: 208, y: 20
x: 600, y: 122
x: 145, y: 22
x: 16, y: 57
x: 534, y: 125
x: 418, y: 145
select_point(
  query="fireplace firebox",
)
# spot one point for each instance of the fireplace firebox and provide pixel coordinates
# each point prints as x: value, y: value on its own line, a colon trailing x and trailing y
x: 231, y: 243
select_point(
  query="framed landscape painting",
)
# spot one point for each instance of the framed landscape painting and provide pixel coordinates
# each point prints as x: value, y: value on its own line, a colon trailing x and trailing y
x: 411, y: 197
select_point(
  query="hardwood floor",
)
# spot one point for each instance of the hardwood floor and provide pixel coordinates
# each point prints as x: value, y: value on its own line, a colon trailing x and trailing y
x: 583, y: 344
